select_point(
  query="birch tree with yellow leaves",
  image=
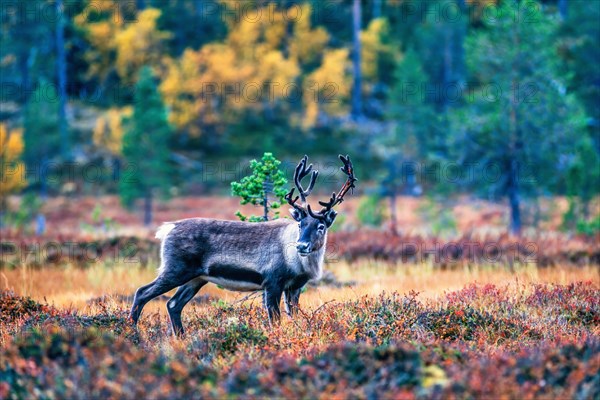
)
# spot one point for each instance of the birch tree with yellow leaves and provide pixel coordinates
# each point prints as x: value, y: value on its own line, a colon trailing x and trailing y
x: 121, y: 45
x: 108, y: 131
x: 12, y: 177
x: 261, y: 66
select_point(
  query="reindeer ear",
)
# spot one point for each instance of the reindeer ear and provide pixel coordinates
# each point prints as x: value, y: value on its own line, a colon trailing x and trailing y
x: 297, y: 215
x: 330, y: 217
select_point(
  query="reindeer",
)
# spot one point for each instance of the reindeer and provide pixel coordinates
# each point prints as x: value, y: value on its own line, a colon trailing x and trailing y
x: 278, y: 257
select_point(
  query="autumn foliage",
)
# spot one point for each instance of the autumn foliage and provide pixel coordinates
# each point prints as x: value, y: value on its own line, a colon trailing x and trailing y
x: 11, y: 174
x: 534, y: 340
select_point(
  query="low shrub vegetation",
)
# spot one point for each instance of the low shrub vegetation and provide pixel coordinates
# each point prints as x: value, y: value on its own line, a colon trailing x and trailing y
x: 535, y: 340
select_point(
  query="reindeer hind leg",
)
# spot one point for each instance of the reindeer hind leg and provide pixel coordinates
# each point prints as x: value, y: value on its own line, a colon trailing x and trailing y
x: 175, y: 305
x: 169, y: 278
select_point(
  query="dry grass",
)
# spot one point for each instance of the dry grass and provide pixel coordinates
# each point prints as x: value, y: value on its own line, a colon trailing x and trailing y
x: 507, y: 337
x: 71, y: 287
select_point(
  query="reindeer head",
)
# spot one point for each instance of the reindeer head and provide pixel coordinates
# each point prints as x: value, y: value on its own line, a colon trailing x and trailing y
x: 313, y: 225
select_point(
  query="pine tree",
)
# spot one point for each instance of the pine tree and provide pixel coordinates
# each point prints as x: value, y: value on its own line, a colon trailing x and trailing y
x: 41, y: 132
x: 439, y: 41
x: 521, y: 121
x: 413, y: 132
x: 579, y: 48
x: 145, y: 147
x: 583, y: 178
x: 356, y: 63
x: 266, y: 179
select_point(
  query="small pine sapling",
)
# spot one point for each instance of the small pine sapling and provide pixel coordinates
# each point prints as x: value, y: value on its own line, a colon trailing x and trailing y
x: 266, y: 182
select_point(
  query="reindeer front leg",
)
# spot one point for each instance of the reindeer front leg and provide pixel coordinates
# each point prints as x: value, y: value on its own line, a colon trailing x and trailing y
x: 271, y: 299
x: 292, y: 300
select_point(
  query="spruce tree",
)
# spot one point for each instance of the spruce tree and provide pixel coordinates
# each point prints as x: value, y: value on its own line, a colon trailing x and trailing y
x: 41, y: 128
x: 413, y: 133
x: 583, y: 179
x: 521, y: 122
x: 145, y: 147
x: 42, y: 140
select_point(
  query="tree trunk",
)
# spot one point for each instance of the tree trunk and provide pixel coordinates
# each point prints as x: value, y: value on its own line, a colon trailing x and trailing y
x: 459, y: 45
x: 376, y: 9
x: 3, y: 210
x: 40, y: 224
x: 40, y: 218
x: 43, y: 175
x: 289, y: 32
x: 585, y: 208
x: 266, y: 206
x: 61, y: 69
x: 513, y: 198
x: 148, y: 209
x: 393, y: 216
x: 116, y: 170
x: 356, y: 57
x: 26, y: 60
x: 447, y: 72
x: 453, y: 56
x: 23, y: 60
x: 267, y: 189
x: 515, y: 145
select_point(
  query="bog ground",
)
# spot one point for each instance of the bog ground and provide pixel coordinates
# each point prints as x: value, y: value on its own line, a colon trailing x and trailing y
x: 375, y: 330
x: 464, y: 264
x: 447, y: 320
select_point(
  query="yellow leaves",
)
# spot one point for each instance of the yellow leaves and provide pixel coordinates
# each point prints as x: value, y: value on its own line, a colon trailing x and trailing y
x: 334, y: 69
x: 244, y: 37
x: 177, y: 85
x: 275, y: 68
x: 12, y: 169
x: 102, y: 32
x: 101, y: 36
x: 372, y: 47
x: 134, y: 44
x: 257, y: 34
x: 139, y: 44
x: 275, y: 34
x: 329, y: 86
x: 258, y: 62
x: 261, y: 61
x: 189, y: 86
x: 252, y: 38
x: 221, y: 64
x: 107, y: 8
x: 108, y: 132
x: 12, y: 143
x: 307, y: 44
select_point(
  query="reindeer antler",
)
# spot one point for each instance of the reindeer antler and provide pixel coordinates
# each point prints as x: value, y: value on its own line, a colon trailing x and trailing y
x: 292, y: 201
x: 301, y: 171
x: 337, y: 198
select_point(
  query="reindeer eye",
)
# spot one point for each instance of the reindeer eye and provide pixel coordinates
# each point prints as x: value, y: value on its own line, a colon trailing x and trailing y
x: 321, y: 227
